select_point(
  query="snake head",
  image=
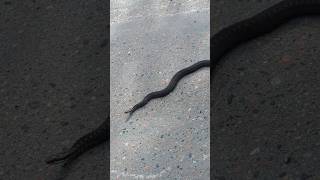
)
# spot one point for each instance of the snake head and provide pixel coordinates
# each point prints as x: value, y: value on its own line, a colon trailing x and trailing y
x: 58, y: 158
x: 129, y: 111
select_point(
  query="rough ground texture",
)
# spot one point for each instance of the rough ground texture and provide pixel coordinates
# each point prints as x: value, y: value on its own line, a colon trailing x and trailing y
x: 53, y: 86
x: 150, y: 41
x: 265, y: 100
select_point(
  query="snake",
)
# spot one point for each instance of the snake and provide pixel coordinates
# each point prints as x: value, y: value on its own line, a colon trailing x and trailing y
x: 83, y: 144
x: 171, y: 86
x: 232, y: 36
x: 220, y: 43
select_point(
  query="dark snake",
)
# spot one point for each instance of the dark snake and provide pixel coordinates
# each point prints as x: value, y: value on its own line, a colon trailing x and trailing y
x: 232, y: 36
x: 83, y: 144
x: 222, y: 42
x: 171, y: 86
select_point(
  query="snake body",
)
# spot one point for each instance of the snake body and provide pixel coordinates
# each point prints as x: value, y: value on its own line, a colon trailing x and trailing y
x: 171, y: 86
x: 232, y: 36
x: 221, y: 43
x: 260, y: 24
x: 86, y: 142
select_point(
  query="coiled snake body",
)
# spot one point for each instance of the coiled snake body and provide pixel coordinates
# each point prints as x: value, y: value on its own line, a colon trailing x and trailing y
x: 222, y: 42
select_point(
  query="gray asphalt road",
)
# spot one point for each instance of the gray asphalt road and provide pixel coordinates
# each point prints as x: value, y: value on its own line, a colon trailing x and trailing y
x: 150, y: 41
x: 266, y: 100
x: 53, y: 86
